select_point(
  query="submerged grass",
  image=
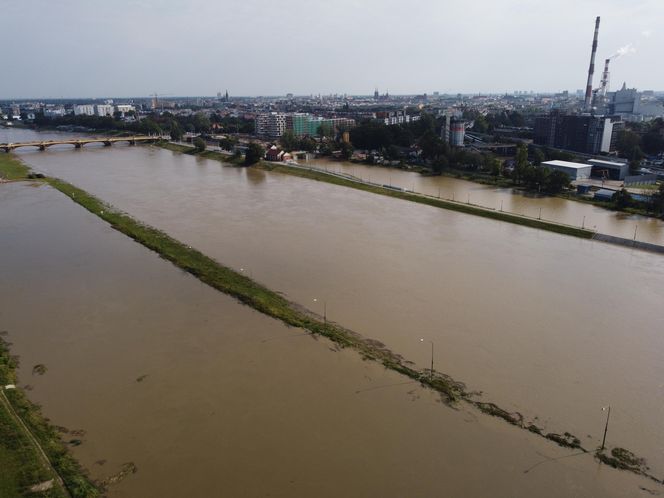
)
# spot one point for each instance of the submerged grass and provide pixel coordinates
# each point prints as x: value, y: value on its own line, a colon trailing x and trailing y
x: 12, y: 168
x: 20, y: 459
x: 207, y: 154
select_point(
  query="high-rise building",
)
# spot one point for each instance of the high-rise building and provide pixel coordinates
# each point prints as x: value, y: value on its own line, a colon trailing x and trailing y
x: 272, y: 124
x: 84, y: 110
x: 105, y: 110
x: 580, y: 133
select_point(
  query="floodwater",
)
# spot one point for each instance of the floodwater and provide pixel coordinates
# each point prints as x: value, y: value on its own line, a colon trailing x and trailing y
x: 510, y: 200
x: 210, y: 398
x: 552, y: 326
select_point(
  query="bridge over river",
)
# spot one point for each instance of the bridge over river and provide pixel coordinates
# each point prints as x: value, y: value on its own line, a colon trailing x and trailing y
x: 80, y: 142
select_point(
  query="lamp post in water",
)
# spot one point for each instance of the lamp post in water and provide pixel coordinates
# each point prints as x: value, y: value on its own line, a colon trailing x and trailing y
x: 324, y: 311
x: 431, y: 374
x: 606, y: 426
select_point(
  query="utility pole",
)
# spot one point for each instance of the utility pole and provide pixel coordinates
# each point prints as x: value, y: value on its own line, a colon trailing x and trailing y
x: 431, y: 373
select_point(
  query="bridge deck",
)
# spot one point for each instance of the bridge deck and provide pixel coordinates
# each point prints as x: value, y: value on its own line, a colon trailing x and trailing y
x: 42, y: 144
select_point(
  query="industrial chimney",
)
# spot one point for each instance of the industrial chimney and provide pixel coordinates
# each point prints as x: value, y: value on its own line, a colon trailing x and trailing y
x: 605, y: 79
x: 591, y: 69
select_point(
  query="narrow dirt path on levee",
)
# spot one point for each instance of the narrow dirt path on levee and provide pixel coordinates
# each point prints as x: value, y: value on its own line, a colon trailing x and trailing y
x: 42, y: 454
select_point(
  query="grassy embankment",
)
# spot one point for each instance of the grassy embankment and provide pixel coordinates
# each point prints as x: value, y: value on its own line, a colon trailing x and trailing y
x: 207, y: 154
x: 12, y: 168
x: 22, y: 464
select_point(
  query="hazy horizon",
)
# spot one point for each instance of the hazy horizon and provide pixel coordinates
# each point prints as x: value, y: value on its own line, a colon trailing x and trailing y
x: 133, y: 48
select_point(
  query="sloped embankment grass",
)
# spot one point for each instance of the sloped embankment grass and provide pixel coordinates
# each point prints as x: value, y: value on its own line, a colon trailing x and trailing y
x: 21, y: 462
x: 12, y: 168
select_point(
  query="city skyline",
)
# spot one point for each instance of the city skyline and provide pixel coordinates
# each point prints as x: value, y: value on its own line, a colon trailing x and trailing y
x: 136, y: 47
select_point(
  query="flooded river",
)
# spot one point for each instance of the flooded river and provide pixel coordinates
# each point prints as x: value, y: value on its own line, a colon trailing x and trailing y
x: 552, y: 326
x: 510, y: 200
x: 210, y: 398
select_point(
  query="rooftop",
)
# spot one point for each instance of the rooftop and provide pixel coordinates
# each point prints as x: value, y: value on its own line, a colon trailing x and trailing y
x: 565, y: 164
x: 607, y: 163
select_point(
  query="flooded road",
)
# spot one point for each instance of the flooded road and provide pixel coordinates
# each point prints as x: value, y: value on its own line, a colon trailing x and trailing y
x: 210, y: 398
x: 552, y: 326
x: 511, y: 200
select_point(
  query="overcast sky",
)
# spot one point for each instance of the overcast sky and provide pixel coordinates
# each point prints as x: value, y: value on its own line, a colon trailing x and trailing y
x: 95, y: 48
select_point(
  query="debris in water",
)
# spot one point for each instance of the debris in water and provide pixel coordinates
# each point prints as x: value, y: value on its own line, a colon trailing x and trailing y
x: 39, y: 369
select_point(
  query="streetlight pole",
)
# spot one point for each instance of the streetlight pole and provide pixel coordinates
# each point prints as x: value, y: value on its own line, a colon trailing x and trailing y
x: 606, y: 426
x: 431, y: 374
x: 324, y: 311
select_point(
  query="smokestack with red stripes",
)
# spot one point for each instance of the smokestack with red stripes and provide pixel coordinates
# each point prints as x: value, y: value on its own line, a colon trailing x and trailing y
x: 605, y: 79
x: 591, y: 69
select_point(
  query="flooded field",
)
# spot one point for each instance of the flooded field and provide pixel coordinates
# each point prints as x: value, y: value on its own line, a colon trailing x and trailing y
x: 510, y: 200
x: 552, y: 326
x: 208, y: 398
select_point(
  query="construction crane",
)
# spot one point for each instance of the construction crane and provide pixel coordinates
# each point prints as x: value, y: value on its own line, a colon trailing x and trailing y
x: 155, y: 99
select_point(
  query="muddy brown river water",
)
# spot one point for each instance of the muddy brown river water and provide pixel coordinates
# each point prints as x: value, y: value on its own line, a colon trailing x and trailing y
x: 209, y: 398
x: 510, y: 200
x: 552, y: 326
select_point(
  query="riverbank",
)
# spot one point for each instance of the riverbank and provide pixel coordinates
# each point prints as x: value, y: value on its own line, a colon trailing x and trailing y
x: 207, y: 154
x: 32, y: 455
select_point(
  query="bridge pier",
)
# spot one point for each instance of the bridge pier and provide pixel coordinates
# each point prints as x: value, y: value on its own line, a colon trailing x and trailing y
x: 42, y: 147
x: 78, y: 145
x: 132, y: 142
x: 108, y: 144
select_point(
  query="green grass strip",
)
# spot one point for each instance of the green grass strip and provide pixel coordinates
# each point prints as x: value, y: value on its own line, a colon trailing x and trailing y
x: 20, y: 461
x: 12, y: 168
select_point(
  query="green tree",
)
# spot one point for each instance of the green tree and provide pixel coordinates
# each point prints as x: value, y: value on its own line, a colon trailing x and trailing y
x: 308, y: 144
x: 288, y: 141
x: 432, y: 146
x: 227, y: 143
x: 254, y: 154
x: 629, y: 145
x: 556, y: 182
x: 201, y: 123
x: 538, y: 157
x: 325, y: 131
x: 521, y: 163
x: 346, y: 150
x: 622, y: 199
x: 658, y: 200
x: 495, y: 167
x: 176, y: 131
x: 199, y: 144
